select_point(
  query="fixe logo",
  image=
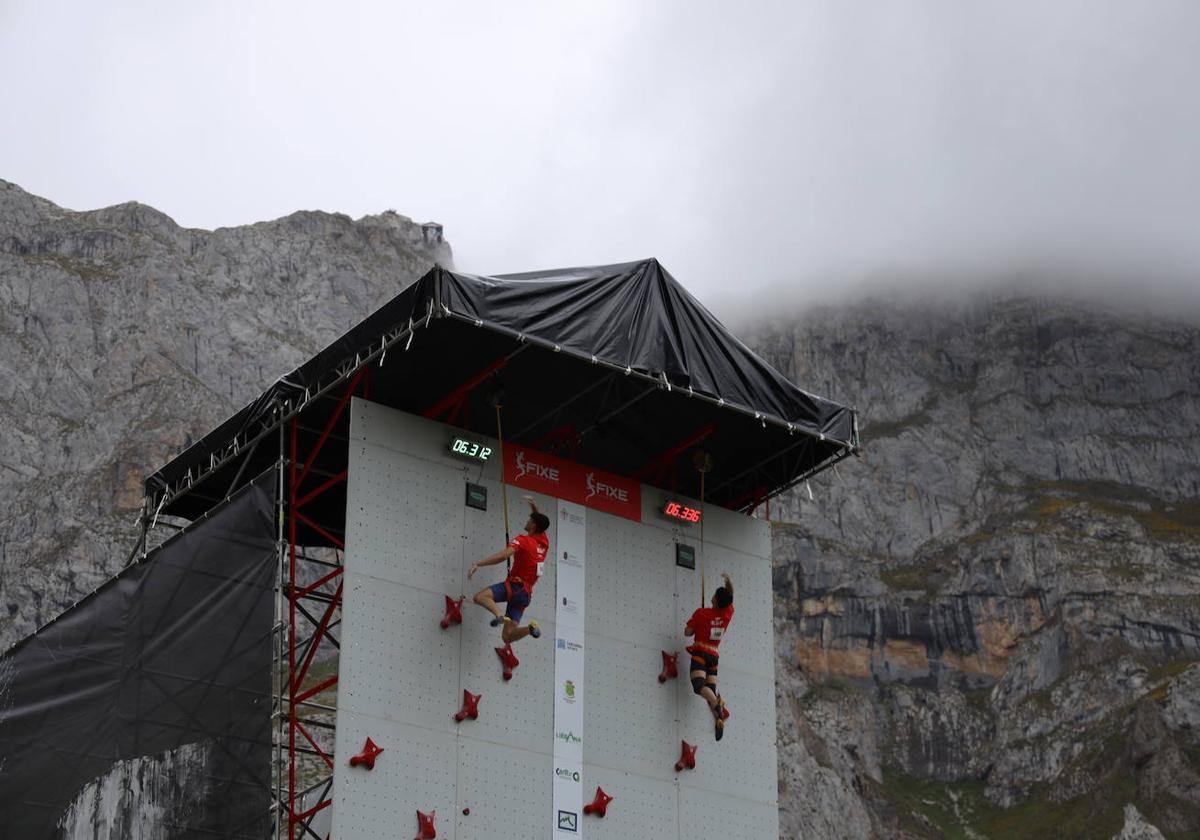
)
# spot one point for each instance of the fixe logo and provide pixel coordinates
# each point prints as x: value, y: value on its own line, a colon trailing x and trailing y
x: 616, y: 493
x: 568, y: 737
x: 526, y: 466
x: 564, y: 773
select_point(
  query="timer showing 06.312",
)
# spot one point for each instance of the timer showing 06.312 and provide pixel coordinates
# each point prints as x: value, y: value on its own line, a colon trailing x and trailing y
x: 470, y: 449
x: 675, y: 510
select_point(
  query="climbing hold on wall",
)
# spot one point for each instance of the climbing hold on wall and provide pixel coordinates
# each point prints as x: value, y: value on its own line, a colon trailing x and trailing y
x: 687, y: 759
x: 425, y: 827
x: 453, y: 612
x: 367, y: 757
x: 508, y: 659
x: 470, y: 707
x: 599, y: 805
x: 669, y: 671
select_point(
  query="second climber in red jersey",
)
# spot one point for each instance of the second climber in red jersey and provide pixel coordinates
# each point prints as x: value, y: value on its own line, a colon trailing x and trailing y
x: 528, y: 551
x: 708, y: 626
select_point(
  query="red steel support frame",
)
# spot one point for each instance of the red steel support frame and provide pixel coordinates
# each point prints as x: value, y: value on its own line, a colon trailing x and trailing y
x: 455, y: 398
x: 657, y: 468
x: 298, y: 817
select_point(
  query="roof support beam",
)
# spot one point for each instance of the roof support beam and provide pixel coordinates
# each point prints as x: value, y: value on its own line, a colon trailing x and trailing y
x: 659, y: 464
x: 555, y: 412
x: 611, y: 414
x: 460, y: 393
x: 800, y: 442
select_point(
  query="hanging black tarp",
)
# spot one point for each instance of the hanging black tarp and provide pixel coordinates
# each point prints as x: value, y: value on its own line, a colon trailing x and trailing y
x: 145, y: 709
x: 633, y: 315
x: 567, y: 347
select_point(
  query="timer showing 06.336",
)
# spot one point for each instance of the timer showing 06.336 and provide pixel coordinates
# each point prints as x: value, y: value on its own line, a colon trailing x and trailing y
x: 675, y: 510
x: 470, y: 449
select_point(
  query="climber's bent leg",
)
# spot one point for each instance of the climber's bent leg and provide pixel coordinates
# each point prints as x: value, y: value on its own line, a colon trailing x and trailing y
x: 486, y: 598
x: 704, y: 676
x: 512, y: 633
x: 518, y: 600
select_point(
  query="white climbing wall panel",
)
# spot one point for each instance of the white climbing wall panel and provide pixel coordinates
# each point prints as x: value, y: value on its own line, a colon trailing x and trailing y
x: 410, y: 539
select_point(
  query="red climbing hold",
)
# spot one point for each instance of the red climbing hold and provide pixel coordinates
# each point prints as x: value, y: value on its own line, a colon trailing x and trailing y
x: 599, y: 805
x: 508, y: 659
x: 669, y: 671
x: 367, y: 757
x: 453, y: 612
x: 687, y: 759
x: 426, y: 829
x: 470, y: 707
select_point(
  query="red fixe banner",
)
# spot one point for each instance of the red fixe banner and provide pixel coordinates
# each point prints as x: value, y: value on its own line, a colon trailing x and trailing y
x: 611, y: 493
x: 537, y: 471
x: 542, y: 473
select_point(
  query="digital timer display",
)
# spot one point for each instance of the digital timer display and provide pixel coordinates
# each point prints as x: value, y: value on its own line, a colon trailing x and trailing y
x: 470, y: 449
x: 676, y: 510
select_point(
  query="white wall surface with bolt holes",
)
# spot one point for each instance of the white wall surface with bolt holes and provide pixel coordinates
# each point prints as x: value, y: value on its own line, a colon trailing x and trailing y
x: 409, y: 541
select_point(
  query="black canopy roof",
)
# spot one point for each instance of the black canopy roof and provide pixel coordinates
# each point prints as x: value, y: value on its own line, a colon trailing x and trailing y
x: 617, y: 367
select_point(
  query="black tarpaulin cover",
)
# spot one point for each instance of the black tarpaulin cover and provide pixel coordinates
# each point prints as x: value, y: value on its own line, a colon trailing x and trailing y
x: 145, y: 709
x: 634, y: 315
x: 631, y: 315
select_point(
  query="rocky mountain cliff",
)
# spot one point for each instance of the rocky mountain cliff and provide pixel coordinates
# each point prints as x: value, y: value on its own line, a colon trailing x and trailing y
x: 123, y: 336
x: 986, y: 626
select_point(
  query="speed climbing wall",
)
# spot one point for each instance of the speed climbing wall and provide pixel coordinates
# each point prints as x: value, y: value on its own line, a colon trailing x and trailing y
x: 511, y: 772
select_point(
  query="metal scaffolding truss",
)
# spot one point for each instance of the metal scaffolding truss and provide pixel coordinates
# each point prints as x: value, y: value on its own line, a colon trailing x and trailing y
x: 308, y: 612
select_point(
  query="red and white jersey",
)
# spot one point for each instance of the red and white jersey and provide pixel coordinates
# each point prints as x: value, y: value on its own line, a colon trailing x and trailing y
x: 709, y: 625
x: 529, y: 559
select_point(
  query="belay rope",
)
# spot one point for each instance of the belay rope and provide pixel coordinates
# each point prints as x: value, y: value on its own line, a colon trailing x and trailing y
x: 703, y: 463
x: 503, y: 486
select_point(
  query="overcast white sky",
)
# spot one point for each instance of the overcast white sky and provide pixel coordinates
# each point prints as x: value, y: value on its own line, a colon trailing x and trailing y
x: 746, y: 145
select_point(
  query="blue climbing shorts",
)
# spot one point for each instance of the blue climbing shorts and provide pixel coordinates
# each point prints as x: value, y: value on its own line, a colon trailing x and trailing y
x: 515, y: 595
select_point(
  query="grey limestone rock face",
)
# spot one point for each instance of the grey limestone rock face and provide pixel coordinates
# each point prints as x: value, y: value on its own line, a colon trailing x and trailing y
x: 123, y: 337
x: 1009, y: 575
x: 1136, y: 827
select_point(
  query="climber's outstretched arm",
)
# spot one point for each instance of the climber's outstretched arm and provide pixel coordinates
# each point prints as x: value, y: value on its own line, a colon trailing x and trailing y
x: 532, y: 506
x: 491, y: 560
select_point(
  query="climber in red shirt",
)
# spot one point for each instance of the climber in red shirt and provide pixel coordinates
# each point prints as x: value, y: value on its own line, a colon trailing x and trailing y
x: 708, y: 626
x: 528, y: 551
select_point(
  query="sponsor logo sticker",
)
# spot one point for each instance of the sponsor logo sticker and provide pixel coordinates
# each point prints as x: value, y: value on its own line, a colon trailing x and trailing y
x: 527, y: 467
x: 594, y: 486
x: 568, y: 821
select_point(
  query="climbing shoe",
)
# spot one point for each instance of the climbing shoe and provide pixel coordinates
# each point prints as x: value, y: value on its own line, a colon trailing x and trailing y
x: 719, y: 719
x: 501, y: 619
x: 535, y: 629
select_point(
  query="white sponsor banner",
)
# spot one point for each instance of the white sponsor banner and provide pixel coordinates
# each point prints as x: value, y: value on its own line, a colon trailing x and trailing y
x: 568, y: 671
